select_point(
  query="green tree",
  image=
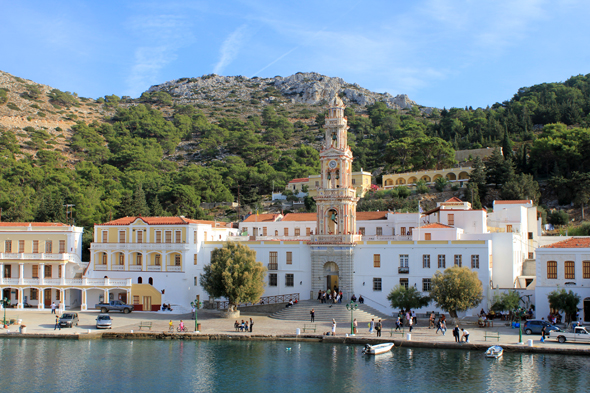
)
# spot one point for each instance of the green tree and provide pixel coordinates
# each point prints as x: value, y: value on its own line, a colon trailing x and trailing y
x: 234, y: 274
x: 422, y: 187
x: 441, y: 183
x: 456, y: 289
x: 407, y: 298
x: 506, y: 301
x: 472, y: 195
x: 566, y: 301
x: 521, y: 187
x: 558, y: 217
x: 139, y: 205
x: 498, y: 169
x: 478, y: 177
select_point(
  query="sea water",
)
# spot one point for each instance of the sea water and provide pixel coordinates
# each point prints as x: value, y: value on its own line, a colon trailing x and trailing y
x: 55, y: 365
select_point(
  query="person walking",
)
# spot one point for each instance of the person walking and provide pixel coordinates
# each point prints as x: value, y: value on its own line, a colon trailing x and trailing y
x: 411, y: 324
x: 355, y: 324
x: 443, y: 327
x: 312, y: 314
x: 57, y: 325
x: 371, y: 326
x: 53, y: 308
x: 333, y: 327
x: 398, y: 324
x: 320, y: 295
x: 251, y: 324
x: 431, y: 320
x: 378, y: 327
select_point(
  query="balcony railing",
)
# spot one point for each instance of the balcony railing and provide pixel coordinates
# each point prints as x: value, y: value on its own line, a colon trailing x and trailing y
x: 101, y: 267
x: 403, y: 270
x: 174, y: 268
x: 138, y: 246
x: 40, y: 256
x: 223, y: 305
x: 154, y: 268
x: 135, y: 268
x: 68, y: 281
x: 117, y: 267
x: 273, y: 266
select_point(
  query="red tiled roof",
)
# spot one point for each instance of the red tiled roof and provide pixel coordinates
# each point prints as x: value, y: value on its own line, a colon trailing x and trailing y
x: 574, y: 242
x: 454, y: 199
x: 515, y: 202
x: 262, y: 218
x: 435, y: 225
x: 300, y: 217
x: 33, y: 224
x: 299, y: 180
x: 368, y: 216
x: 149, y: 221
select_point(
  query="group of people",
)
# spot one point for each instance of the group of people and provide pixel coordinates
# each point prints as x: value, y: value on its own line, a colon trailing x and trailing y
x: 166, y: 307
x: 330, y: 296
x: 244, y: 326
x: 461, y: 335
x: 360, y: 299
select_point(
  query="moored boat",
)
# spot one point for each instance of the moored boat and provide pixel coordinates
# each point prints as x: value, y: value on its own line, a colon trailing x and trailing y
x: 494, y: 351
x: 377, y: 349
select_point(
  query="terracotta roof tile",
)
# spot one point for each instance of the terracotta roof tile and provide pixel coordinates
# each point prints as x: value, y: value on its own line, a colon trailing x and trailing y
x: 574, y: 242
x: 299, y: 180
x: 262, y: 218
x: 368, y: 216
x: 300, y: 217
x: 515, y: 202
x: 454, y: 199
x: 436, y: 225
x: 150, y: 221
x: 33, y: 224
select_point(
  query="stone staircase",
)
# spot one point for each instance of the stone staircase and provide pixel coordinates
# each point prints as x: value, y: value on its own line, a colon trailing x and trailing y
x: 325, y: 312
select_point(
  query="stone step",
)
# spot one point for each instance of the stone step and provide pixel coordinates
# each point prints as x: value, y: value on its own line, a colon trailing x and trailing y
x: 327, y: 312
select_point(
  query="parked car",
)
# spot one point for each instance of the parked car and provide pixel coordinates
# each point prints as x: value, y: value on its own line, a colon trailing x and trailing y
x: 104, y: 321
x: 69, y: 319
x: 114, y: 305
x: 534, y: 326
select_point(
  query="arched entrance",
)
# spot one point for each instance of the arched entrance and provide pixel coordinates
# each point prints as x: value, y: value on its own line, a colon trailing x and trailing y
x: 587, y: 309
x: 332, y: 218
x: 332, y: 276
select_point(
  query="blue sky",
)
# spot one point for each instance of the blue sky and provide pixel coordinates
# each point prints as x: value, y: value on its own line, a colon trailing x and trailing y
x: 440, y: 53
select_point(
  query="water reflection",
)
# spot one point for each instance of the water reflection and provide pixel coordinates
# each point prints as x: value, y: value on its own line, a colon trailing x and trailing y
x: 221, y: 366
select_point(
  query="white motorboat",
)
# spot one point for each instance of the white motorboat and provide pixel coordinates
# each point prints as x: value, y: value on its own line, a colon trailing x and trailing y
x: 377, y: 349
x: 494, y: 351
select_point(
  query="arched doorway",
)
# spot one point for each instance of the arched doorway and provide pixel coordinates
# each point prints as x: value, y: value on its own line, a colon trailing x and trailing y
x: 332, y: 276
x: 587, y: 309
x: 332, y: 217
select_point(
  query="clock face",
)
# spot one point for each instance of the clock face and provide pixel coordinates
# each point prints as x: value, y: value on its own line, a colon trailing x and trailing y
x: 332, y: 164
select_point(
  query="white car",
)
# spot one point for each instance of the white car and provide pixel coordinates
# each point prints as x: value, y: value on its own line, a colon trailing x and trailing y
x: 579, y: 334
x: 104, y: 321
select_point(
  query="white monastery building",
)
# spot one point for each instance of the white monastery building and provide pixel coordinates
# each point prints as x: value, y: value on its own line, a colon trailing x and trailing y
x: 154, y: 260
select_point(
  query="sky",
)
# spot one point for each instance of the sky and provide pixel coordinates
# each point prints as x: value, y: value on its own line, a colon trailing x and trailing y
x: 440, y: 53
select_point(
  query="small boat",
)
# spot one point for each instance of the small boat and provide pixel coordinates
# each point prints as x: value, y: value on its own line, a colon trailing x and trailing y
x: 494, y: 351
x: 377, y: 349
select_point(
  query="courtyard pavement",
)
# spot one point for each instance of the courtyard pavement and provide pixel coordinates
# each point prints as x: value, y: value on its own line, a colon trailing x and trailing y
x: 213, y: 323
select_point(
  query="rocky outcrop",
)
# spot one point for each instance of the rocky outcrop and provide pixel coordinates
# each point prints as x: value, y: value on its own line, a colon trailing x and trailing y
x: 304, y: 87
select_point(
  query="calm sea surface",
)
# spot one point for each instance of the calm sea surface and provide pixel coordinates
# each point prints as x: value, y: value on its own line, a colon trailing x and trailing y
x: 32, y: 365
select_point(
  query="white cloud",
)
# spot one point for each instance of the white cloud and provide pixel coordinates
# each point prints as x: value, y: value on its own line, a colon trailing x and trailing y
x: 161, y: 37
x: 231, y: 47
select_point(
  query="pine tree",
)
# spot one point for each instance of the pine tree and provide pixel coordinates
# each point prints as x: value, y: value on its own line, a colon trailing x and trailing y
x: 507, y: 146
x: 139, y: 206
x: 157, y: 209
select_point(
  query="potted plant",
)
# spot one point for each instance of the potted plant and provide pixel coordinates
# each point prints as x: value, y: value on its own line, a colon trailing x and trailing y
x: 23, y: 328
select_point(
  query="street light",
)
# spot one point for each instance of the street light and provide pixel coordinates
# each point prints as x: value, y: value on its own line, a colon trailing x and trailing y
x: 4, y: 303
x: 352, y: 306
x: 196, y: 305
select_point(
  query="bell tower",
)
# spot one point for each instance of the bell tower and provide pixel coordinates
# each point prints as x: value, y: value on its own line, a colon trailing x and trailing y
x: 332, y: 246
x: 336, y: 199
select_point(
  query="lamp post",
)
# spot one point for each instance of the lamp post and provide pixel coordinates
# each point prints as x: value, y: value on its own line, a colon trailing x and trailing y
x: 352, y: 306
x: 4, y: 302
x: 196, y: 304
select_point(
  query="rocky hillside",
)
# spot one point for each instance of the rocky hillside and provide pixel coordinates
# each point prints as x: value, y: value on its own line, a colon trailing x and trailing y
x: 302, y: 88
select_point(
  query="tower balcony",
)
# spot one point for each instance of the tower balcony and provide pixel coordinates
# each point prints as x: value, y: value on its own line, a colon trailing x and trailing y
x: 335, y: 239
x: 336, y: 193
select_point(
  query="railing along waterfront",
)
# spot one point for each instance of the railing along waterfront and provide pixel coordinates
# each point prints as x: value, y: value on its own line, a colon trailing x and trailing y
x: 223, y: 305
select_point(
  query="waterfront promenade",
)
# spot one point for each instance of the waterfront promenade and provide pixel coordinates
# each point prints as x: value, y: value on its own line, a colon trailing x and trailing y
x: 41, y: 324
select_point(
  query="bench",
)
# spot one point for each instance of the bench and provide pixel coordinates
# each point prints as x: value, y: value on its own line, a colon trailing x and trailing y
x: 309, y: 326
x: 491, y: 335
x: 143, y: 324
